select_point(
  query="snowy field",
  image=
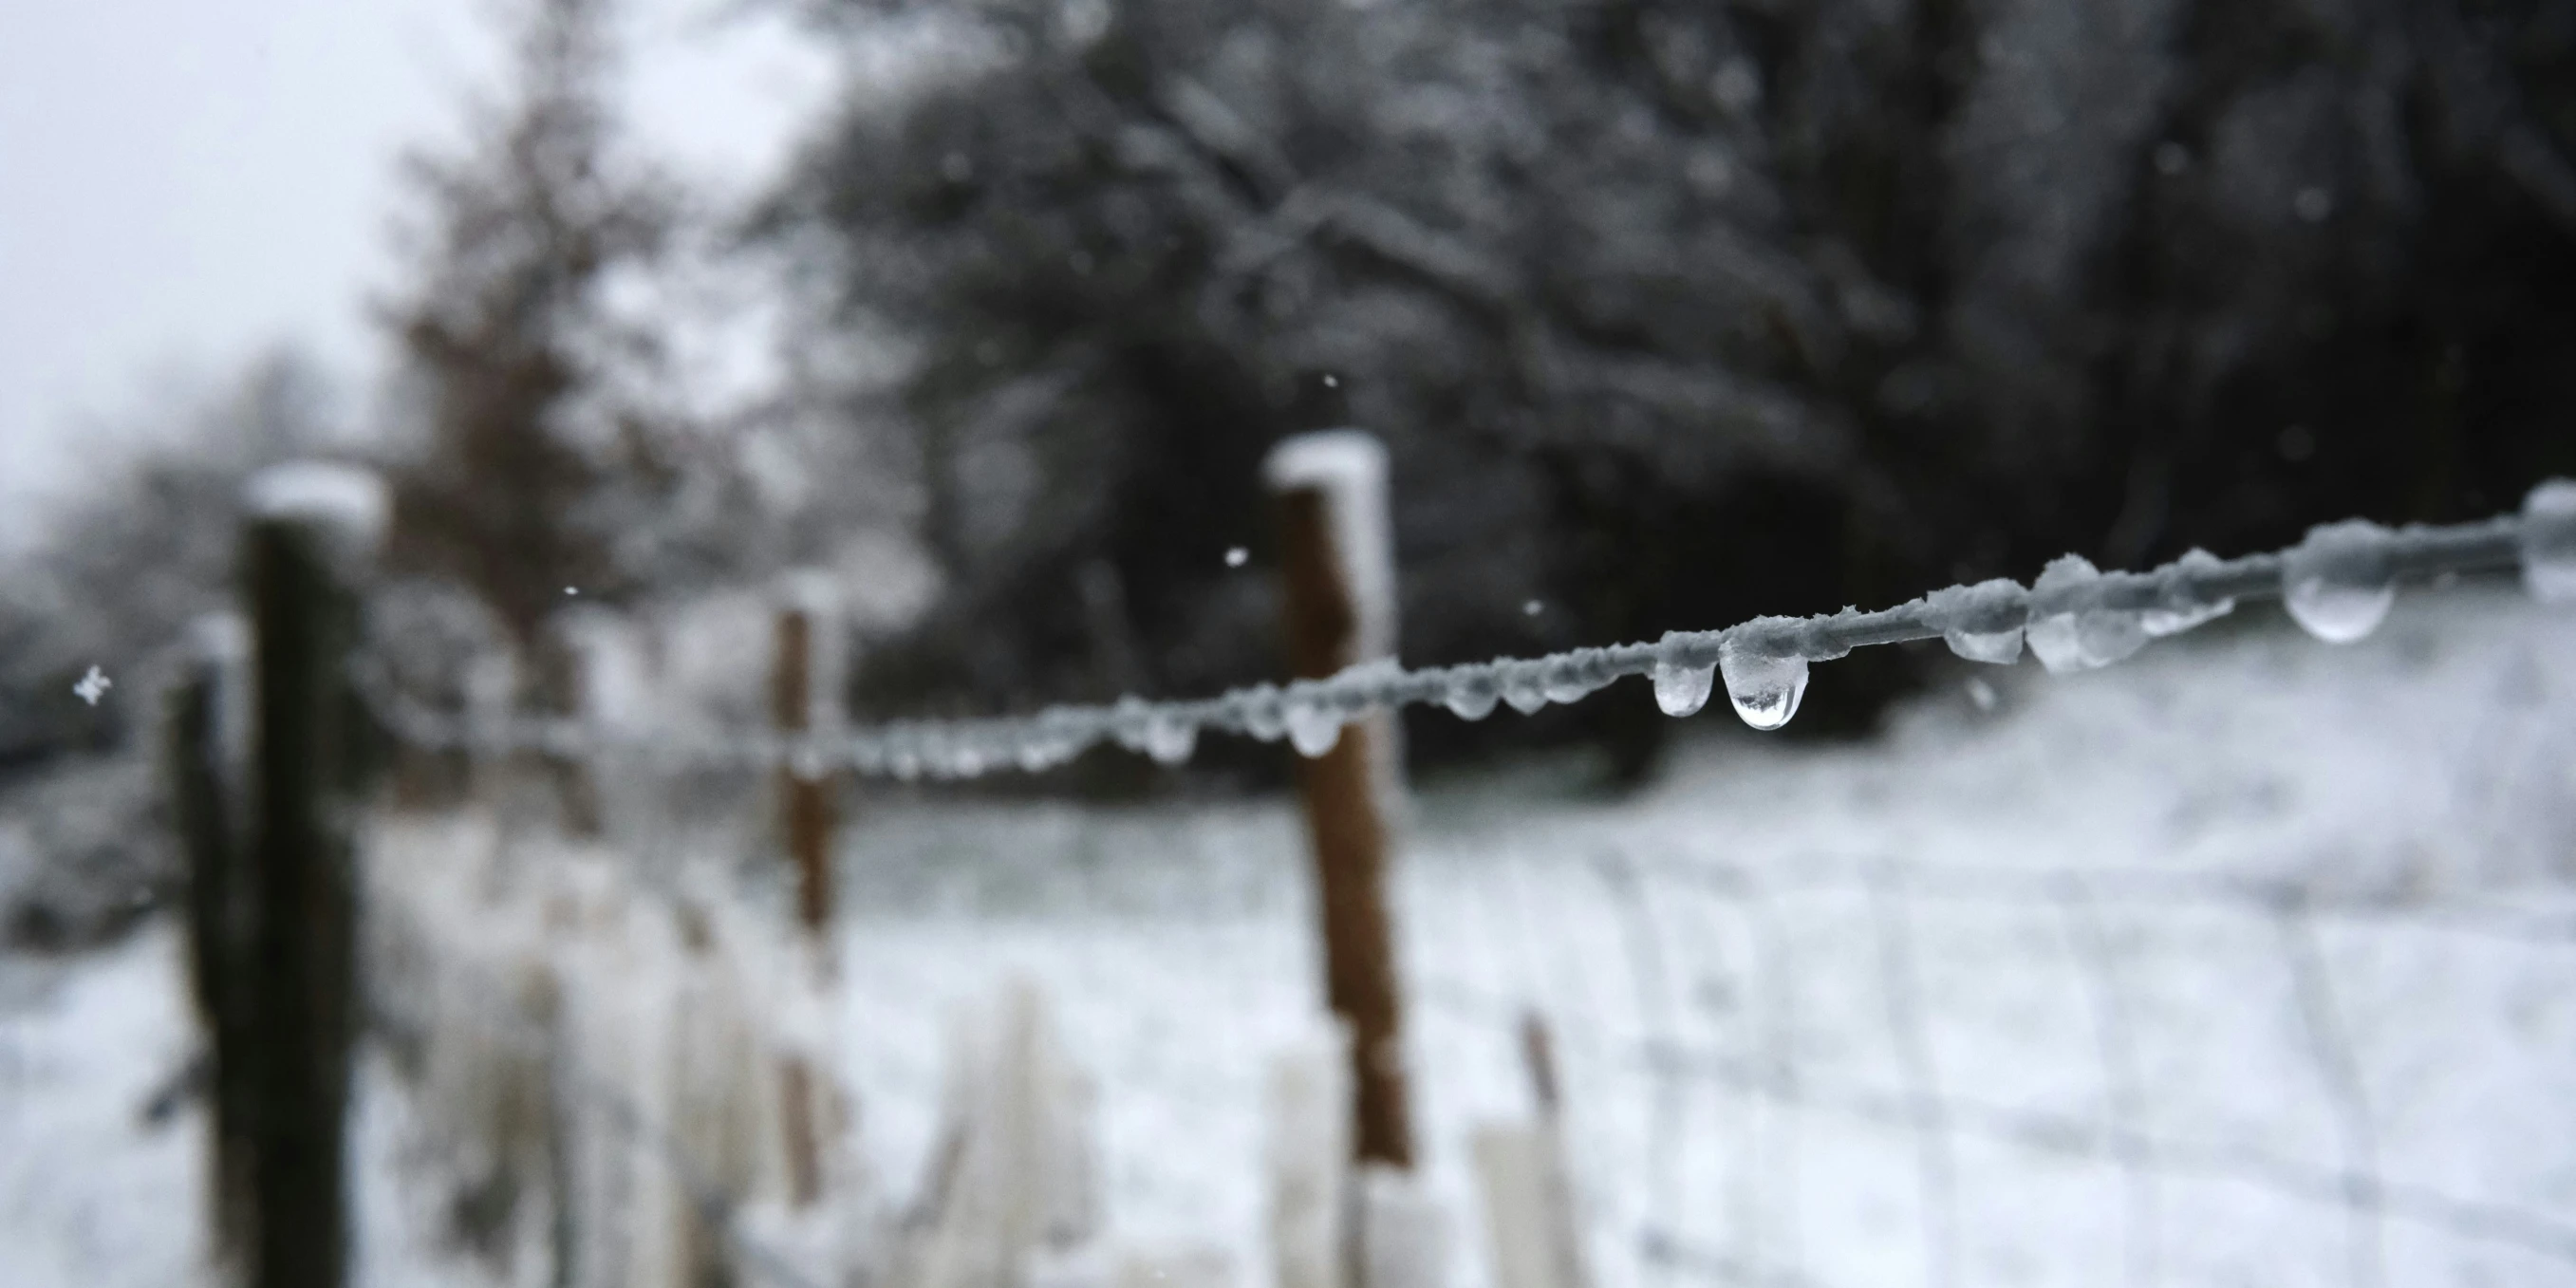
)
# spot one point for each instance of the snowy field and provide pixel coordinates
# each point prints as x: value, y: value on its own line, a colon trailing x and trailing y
x: 2251, y: 961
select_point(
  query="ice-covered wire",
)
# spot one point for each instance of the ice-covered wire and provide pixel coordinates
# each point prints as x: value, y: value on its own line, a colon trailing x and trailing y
x: 2060, y: 607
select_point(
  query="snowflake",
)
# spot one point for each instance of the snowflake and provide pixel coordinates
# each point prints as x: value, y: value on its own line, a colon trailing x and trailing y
x: 93, y: 686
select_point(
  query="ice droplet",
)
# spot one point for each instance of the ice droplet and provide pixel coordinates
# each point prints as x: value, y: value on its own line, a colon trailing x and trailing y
x: 1312, y: 729
x: 1983, y: 622
x: 1996, y: 648
x: 1262, y: 714
x: 1131, y: 723
x: 2069, y: 640
x: 1765, y: 687
x: 1472, y: 697
x: 2106, y: 635
x: 1572, y: 679
x: 2161, y: 622
x: 1521, y: 688
x: 2338, y: 584
x: 1682, y: 690
x: 2181, y: 609
x: 1038, y: 753
x: 2549, y: 542
x: 1170, y: 741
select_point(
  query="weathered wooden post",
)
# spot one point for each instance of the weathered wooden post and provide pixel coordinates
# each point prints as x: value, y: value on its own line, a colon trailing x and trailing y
x: 801, y: 696
x: 804, y: 691
x: 308, y: 543
x: 204, y: 775
x: 1338, y: 567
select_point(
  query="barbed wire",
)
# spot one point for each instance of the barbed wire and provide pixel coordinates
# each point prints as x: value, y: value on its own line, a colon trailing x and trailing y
x: 1309, y: 713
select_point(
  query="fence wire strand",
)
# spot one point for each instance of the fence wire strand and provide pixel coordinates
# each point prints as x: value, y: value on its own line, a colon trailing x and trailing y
x: 2123, y: 1075
x: 2330, y: 1044
x: 2195, y: 586
x: 1933, y: 1115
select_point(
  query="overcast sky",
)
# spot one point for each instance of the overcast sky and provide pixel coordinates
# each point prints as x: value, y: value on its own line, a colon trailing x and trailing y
x: 186, y: 182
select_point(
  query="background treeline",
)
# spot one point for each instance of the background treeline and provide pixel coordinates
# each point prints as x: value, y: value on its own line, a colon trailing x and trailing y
x: 1671, y: 313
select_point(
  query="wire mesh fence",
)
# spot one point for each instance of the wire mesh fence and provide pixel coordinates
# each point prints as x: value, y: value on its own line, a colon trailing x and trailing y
x: 1825, y: 1069
x: 1934, y: 1047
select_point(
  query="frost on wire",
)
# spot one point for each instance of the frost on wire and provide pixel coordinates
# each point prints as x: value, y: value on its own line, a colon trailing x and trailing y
x: 2337, y: 583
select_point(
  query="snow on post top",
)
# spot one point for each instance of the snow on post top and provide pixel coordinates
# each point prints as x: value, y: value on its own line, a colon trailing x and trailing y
x: 1348, y: 466
x: 814, y: 592
x: 220, y: 638
x: 347, y: 502
x: 1327, y: 458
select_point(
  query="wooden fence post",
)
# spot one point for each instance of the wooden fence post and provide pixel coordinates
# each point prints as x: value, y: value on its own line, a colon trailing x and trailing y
x: 1338, y: 566
x: 310, y: 539
x: 204, y: 766
x: 803, y: 690
x: 801, y: 694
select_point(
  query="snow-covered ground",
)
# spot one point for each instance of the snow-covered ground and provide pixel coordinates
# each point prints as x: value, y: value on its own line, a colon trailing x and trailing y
x: 2249, y: 961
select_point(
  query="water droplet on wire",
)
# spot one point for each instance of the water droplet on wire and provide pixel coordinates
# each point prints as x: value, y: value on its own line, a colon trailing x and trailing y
x: 1521, y: 688
x: 2338, y: 584
x: 1983, y: 622
x: 1312, y: 729
x: 1765, y: 687
x: 1170, y: 741
x: 2078, y: 638
x: 2549, y: 542
x: 1472, y: 697
x: 1682, y: 690
x: 2182, y: 608
x: 1264, y: 717
x: 1572, y: 679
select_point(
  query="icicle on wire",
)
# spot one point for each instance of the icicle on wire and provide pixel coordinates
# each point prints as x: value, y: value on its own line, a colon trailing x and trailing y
x: 2073, y: 617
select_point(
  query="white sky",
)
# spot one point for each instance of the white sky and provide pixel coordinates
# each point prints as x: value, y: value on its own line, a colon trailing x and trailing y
x: 186, y: 182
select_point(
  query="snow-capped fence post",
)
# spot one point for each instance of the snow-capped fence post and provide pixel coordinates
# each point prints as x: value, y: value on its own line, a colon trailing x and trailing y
x: 569, y: 661
x: 803, y: 692
x: 204, y: 777
x: 1338, y: 567
x: 310, y: 538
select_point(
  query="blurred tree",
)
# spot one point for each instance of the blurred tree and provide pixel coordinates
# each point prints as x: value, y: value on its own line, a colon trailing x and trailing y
x: 528, y: 476
x: 149, y: 546
x: 115, y: 576
x: 1674, y: 313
